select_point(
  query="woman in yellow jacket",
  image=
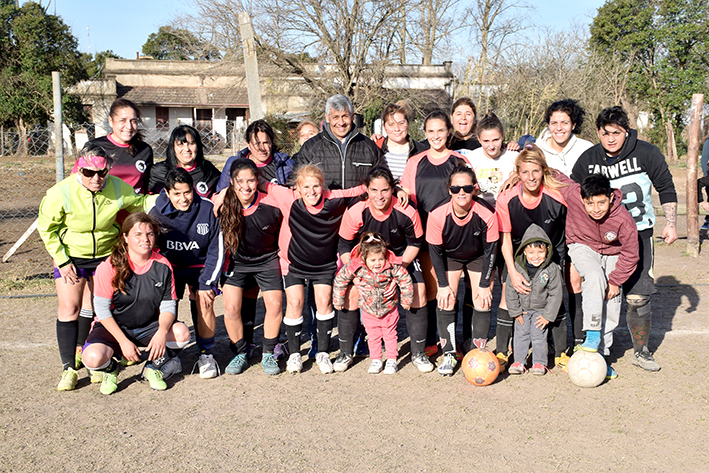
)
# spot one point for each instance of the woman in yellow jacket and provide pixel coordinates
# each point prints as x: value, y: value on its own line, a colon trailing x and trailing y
x: 77, y: 222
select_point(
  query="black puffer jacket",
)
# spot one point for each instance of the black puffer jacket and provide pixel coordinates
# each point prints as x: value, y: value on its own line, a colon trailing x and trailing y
x: 341, y: 171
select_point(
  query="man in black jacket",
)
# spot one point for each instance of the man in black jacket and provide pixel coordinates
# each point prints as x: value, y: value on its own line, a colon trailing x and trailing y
x: 342, y: 152
x: 345, y: 156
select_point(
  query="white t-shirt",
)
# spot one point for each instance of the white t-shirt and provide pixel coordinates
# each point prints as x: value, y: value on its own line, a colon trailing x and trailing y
x: 491, y: 173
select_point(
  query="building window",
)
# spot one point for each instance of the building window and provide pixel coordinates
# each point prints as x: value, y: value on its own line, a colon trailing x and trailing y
x: 162, y: 118
x: 203, y: 118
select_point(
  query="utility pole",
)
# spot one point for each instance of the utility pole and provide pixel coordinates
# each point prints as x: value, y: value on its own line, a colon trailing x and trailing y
x: 251, y: 66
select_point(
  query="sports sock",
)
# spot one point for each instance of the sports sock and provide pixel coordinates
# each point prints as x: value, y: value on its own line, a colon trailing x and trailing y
x: 238, y: 347
x: 206, y: 345
x: 66, y: 340
x: 294, y: 327
x: 195, y: 316
x: 248, y: 318
x: 481, y: 324
x: 347, y: 323
x: 269, y: 344
x: 417, y: 325
x: 431, y: 335
x: 576, y: 313
x: 86, y: 317
x: 446, y: 329
x: 504, y: 330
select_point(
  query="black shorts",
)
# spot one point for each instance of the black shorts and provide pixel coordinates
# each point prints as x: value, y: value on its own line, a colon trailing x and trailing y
x: 642, y: 281
x: 414, y: 269
x: 296, y: 277
x: 185, y: 277
x: 267, y: 275
x: 140, y: 336
x: 475, y: 266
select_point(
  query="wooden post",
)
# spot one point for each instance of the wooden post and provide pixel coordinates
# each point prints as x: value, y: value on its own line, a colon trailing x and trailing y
x: 692, y: 160
x: 671, y: 145
x: 251, y: 66
x: 58, y: 128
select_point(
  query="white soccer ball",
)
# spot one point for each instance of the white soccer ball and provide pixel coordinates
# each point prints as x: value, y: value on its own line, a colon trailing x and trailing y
x: 587, y: 369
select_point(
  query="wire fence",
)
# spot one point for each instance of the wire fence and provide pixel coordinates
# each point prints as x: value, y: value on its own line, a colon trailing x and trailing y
x: 28, y: 170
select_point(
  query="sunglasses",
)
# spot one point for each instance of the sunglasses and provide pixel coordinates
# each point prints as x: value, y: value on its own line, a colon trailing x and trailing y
x: 467, y: 189
x: 89, y: 173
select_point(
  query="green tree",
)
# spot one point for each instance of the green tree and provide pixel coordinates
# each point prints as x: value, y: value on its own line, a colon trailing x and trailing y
x: 665, y: 46
x: 178, y: 45
x: 34, y: 43
x: 94, y: 63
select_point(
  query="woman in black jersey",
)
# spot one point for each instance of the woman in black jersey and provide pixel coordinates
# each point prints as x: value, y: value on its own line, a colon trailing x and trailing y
x: 403, y: 233
x: 250, y: 221
x: 462, y: 235
x: 132, y: 157
x: 185, y: 150
x: 425, y: 181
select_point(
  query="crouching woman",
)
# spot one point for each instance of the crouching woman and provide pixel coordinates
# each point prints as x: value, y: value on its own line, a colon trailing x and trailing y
x: 135, y: 302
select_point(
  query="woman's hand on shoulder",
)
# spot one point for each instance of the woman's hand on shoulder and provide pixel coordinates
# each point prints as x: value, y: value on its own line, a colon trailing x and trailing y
x: 520, y: 284
x: 513, y: 146
x: 402, y: 196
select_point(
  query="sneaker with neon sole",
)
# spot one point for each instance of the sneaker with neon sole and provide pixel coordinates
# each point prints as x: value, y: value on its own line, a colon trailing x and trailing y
x: 109, y: 382
x: 448, y: 366
x: 69, y: 379
x: 154, y: 378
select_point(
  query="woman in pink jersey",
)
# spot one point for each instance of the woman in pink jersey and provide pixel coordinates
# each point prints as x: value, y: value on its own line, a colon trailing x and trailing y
x: 535, y: 199
x: 132, y: 157
x: 462, y: 235
x: 425, y: 181
x: 401, y: 229
x: 308, y: 251
x: 250, y: 221
x: 136, y: 307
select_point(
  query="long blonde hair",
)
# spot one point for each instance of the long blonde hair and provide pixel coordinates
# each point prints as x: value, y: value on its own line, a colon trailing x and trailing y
x: 532, y: 154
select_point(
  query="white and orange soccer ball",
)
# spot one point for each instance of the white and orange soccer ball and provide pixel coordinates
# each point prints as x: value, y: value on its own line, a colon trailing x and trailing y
x: 480, y: 367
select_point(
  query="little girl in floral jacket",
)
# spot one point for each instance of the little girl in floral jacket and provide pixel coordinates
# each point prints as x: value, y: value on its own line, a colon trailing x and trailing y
x: 379, y: 273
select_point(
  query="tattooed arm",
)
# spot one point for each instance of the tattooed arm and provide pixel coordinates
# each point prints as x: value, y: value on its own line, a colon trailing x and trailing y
x: 669, y: 233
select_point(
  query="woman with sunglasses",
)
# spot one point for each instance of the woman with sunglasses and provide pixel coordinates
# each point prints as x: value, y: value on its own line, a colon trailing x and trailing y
x: 77, y: 222
x: 462, y: 234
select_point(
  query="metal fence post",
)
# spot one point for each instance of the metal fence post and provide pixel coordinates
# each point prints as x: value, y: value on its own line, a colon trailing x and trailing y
x: 58, y: 128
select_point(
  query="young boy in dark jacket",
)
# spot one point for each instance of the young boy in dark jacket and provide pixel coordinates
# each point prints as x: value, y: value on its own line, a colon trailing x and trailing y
x: 533, y: 312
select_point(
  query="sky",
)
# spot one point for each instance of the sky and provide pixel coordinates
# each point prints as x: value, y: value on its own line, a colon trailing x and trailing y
x: 125, y: 25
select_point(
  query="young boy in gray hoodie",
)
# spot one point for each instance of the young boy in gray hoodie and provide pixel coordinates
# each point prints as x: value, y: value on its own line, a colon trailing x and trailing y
x: 534, y: 311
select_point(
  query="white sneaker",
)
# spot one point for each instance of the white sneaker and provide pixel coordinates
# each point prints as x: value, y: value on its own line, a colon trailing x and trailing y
x: 294, y: 363
x: 421, y: 361
x: 171, y: 367
x: 342, y: 362
x: 324, y: 363
x: 375, y: 367
x: 391, y: 367
x: 208, y: 367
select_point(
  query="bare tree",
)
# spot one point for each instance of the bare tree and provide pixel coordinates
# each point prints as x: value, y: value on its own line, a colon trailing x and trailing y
x: 429, y: 25
x: 496, y: 24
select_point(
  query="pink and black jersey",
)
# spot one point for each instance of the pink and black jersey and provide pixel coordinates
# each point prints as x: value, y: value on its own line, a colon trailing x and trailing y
x: 548, y: 211
x: 463, y: 239
x: 426, y: 179
x: 150, y: 290
x: 133, y: 169
x: 399, y: 226
x: 308, y: 238
x: 258, y: 243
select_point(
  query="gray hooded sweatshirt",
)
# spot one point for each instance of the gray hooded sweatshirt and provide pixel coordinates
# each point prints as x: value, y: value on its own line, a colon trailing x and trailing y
x: 547, y: 291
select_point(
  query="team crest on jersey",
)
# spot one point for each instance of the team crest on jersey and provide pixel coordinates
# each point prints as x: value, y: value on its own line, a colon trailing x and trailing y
x: 202, y: 188
x: 140, y: 165
x: 610, y: 236
x: 202, y: 228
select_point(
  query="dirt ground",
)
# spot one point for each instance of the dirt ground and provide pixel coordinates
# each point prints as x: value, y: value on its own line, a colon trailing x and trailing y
x: 352, y: 421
